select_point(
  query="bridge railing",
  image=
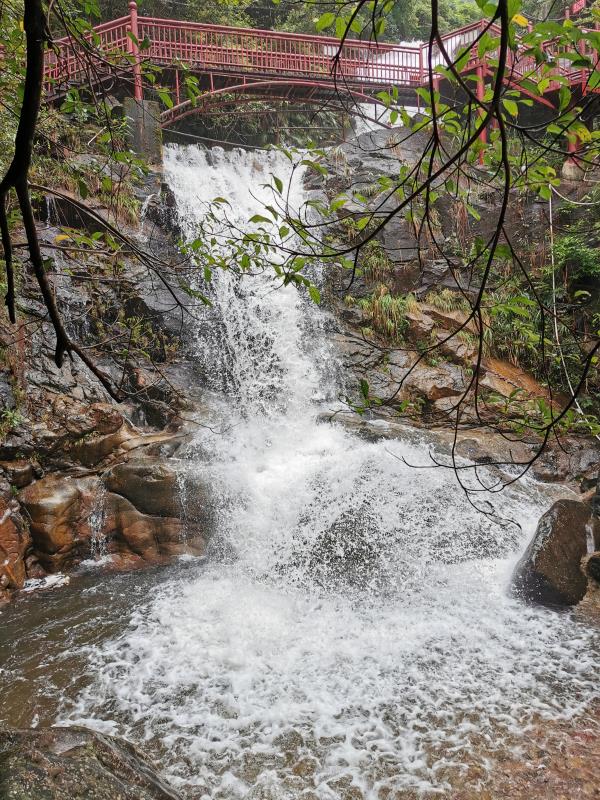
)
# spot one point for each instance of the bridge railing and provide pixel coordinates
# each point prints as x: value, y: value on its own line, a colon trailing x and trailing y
x: 246, y: 52
x: 69, y: 60
x: 454, y: 43
x: 256, y: 52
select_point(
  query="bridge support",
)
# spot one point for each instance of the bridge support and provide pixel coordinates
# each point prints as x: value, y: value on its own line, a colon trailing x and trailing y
x: 572, y: 169
x: 143, y: 126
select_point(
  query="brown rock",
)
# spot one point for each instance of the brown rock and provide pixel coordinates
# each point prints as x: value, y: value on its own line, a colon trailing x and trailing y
x: 79, y: 419
x: 420, y: 325
x: 152, y: 538
x: 450, y: 320
x: 590, y: 566
x: 503, y: 378
x: 60, y: 511
x: 59, y: 508
x: 152, y: 487
x: 19, y: 473
x: 549, y: 572
x: 93, y: 449
x: 14, y: 543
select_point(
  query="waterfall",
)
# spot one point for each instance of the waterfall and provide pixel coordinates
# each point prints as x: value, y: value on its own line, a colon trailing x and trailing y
x: 350, y: 634
x: 98, y: 543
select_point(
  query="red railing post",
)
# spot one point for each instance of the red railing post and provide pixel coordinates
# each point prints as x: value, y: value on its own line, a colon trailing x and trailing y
x: 138, y: 91
x: 480, y: 93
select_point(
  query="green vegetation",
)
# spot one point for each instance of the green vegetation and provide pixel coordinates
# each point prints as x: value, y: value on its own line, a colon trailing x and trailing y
x: 387, y: 313
x: 448, y: 300
x: 375, y: 263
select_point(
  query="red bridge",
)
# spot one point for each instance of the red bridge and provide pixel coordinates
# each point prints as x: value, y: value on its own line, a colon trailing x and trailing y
x: 264, y: 64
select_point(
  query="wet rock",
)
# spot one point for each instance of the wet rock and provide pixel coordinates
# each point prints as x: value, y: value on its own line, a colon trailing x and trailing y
x: 59, y: 508
x: 14, y: 543
x: 146, y: 523
x: 7, y: 397
x: 93, y: 448
x: 153, y: 539
x: 152, y: 487
x: 81, y: 420
x: 58, y: 763
x: 420, y: 325
x: 549, y: 572
x: 401, y: 246
x: 590, y: 566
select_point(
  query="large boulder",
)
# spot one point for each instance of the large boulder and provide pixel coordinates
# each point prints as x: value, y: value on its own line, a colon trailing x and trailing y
x: 55, y: 763
x: 550, y: 570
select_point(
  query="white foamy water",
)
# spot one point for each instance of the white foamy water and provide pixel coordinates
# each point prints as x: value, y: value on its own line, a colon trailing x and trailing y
x: 350, y: 634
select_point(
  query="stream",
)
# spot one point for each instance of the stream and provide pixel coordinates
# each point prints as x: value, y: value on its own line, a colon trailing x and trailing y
x: 349, y: 635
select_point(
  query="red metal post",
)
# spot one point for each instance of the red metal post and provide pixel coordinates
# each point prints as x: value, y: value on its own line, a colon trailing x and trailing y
x: 138, y: 91
x: 480, y: 93
x: 177, y: 95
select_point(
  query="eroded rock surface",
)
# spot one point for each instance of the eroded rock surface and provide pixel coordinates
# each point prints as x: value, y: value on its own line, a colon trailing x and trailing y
x: 59, y: 763
x: 134, y: 513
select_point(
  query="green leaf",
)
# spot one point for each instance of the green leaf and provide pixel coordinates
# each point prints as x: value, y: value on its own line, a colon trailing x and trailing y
x: 325, y: 21
x: 594, y: 79
x: 564, y: 98
x: 314, y: 293
x: 511, y: 107
x: 380, y: 26
x: 165, y: 96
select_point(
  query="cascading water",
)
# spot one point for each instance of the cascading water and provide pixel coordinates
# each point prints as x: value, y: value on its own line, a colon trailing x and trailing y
x: 97, y: 518
x: 350, y: 634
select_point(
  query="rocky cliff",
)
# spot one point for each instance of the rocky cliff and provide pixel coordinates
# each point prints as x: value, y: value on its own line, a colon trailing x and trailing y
x: 82, y: 476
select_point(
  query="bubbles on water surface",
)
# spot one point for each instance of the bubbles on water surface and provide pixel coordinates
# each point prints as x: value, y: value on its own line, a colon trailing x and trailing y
x: 351, y: 636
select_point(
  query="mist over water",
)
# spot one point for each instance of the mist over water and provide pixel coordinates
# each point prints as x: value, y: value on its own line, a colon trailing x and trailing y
x: 350, y: 633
